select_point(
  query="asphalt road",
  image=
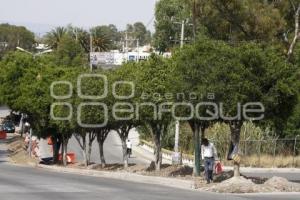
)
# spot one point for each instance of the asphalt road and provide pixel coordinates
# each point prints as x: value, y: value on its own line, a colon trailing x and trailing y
x: 38, y: 184
x: 112, y: 149
x: 4, y: 111
x: 28, y: 183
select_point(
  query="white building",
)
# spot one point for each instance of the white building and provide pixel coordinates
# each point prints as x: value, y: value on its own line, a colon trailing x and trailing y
x: 116, y: 58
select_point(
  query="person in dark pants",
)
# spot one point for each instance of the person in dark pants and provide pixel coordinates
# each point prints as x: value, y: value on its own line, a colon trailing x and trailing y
x: 209, y: 155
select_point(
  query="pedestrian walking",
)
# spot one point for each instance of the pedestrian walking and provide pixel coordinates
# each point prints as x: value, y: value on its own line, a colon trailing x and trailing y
x: 209, y: 155
x: 129, y: 148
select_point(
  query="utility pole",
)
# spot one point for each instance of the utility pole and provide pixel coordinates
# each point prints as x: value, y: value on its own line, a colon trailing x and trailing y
x: 138, y: 49
x: 177, y: 156
x: 183, y: 23
x: 76, y: 34
x: 91, y: 50
x: 126, y: 42
x: 182, y: 33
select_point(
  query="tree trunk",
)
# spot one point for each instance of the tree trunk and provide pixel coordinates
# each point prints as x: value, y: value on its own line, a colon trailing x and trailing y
x: 81, y: 139
x: 125, y: 155
x: 92, y: 136
x: 198, y: 129
x: 235, y: 128
x: 55, y: 148
x: 84, y: 150
x: 123, y: 132
x: 64, y: 151
x: 101, y: 151
x: 89, y: 152
x: 101, y: 137
x: 157, y: 129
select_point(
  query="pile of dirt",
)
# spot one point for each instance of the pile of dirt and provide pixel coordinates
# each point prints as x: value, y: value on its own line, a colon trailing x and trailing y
x: 18, y: 153
x: 167, y: 170
x: 243, y: 185
x: 282, y: 185
x: 233, y: 185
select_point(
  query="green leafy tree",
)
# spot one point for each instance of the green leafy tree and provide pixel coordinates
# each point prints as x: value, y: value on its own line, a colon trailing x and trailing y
x: 141, y: 33
x: 236, y: 76
x: 155, y: 76
x: 126, y: 119
x: 12, y: 36
x: 167, y: 33
x: 102, y: 40
x: 69, y: 53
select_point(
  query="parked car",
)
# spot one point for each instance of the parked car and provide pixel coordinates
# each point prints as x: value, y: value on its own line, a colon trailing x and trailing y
x: 8, y: 126
x: 1, y: 128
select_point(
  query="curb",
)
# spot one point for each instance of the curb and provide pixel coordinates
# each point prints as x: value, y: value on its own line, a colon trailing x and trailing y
x: 124, y: 176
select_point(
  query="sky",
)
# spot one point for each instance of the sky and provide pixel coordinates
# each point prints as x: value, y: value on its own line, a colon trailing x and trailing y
x: 42, y: 15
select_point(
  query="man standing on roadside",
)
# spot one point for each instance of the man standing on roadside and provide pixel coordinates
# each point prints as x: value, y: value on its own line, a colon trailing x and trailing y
x: 209, y: 155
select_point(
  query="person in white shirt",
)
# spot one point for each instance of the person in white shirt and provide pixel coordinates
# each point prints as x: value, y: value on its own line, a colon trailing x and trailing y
x: 129, y: 148
x: 209, y: 155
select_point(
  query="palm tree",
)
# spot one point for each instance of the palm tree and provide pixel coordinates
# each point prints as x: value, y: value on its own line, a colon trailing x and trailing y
x: 101, y: 41
x: 81, y: 36
x: 54, y: 36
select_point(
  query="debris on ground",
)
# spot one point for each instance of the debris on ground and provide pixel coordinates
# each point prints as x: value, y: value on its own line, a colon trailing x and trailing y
x: 18, y: 154
x: 282, y: 185
x: 243, y: 185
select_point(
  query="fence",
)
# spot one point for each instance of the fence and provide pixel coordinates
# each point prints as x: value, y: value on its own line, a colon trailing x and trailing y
x: 254, y: 153
x: 264, y: 152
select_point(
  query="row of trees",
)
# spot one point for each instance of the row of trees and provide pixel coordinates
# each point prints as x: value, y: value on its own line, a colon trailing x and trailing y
x: 237, y: 54
x: 12, y: 36
x: 105, y: 37
x: 266, y: 21
x: 272, y: 24
x: 236, y: 75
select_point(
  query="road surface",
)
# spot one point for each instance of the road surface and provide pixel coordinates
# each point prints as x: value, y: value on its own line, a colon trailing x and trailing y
x: 112, y: 149
x: 39, y: 184
x: 28, y: 183
x: 113, y: 154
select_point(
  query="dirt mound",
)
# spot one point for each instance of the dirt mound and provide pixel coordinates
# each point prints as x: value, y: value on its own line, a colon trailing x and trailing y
x: 244, y: 185
x: 234, y: 185
x: 282, y: 185
x: 18, y: 153
x: 16, y: 144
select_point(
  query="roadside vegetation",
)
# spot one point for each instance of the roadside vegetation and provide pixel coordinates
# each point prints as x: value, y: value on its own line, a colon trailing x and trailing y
x: 230, y: 55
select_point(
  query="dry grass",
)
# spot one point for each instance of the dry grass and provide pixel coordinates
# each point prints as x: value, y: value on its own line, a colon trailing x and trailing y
x: 266, y: 161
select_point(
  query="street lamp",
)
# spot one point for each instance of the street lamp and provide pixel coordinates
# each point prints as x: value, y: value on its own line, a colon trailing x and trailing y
x: 30, y: 136
x: 34, y: 54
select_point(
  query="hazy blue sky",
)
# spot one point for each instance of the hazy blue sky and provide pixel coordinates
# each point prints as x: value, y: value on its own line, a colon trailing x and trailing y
x: 43, y: 14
